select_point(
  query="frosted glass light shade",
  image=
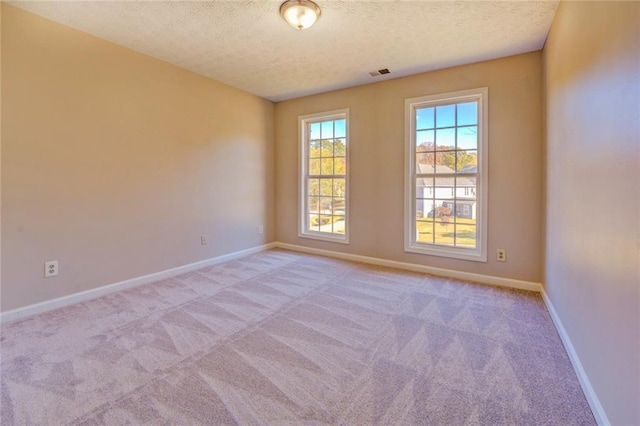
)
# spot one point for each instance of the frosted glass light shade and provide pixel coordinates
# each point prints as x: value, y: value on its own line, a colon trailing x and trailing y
x: 300, y: 14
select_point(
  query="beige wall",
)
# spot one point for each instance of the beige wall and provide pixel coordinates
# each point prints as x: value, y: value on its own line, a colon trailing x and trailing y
x: 0, y: 157
x: 114, y: 163
x: 592, y: 78
x: 377, y: 162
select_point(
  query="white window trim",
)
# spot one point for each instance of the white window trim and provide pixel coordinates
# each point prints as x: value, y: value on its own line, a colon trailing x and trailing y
x: 479, y: 254
x: 303, y: 121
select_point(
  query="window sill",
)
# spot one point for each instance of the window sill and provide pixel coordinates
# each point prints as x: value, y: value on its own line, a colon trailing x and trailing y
x: 453, y: 253
x: 324, y: 237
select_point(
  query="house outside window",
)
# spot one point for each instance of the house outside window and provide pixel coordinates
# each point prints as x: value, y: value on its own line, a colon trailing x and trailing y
x: 324, y: 182
x: 446, y: 174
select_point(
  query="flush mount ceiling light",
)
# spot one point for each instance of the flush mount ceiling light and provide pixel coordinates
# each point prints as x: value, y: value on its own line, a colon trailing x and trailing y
x: 300, y: 14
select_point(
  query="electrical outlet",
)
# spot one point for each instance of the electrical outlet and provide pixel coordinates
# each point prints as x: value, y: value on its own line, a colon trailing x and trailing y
x: 203, y: 240
x: 501, y: 255
x: 261, y: 229
x: 50, y: 268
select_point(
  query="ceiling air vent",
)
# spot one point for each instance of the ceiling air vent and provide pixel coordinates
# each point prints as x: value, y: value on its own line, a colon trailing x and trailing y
x: 379, y: 72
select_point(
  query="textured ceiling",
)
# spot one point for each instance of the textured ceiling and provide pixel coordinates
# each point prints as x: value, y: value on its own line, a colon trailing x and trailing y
x: 246, y: 44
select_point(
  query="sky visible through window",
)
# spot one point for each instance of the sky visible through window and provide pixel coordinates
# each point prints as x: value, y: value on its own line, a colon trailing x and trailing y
x: 442, y: 124
x: 327, y: 130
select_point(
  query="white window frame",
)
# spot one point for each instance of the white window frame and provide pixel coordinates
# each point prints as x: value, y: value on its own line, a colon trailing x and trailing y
x: 479, y: 254
x: 303, y: 122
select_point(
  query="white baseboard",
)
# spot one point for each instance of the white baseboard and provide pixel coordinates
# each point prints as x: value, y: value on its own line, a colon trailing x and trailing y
x: 589, y: 392
x: 82, y: 296
x: 449, y: 273
x: 60, y: 302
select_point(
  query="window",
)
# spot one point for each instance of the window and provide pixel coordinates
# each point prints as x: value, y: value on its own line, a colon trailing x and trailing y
x: 324, y: 183
x: 446, y: 174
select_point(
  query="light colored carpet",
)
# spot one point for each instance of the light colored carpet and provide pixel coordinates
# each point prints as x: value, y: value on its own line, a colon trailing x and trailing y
x: 286, y: 338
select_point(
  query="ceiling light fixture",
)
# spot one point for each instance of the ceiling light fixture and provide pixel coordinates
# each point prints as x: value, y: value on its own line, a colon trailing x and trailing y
x: 300, y: 14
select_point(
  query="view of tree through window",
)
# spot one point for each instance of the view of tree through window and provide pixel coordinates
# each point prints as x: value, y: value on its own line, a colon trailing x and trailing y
x: 326, y: 176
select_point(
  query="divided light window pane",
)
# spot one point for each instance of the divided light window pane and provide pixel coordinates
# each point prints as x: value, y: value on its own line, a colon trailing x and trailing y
x: 446, y: 182
x: 324, y: 205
